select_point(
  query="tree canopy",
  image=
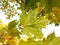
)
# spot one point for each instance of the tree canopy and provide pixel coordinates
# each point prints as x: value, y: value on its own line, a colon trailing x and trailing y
x: 36, y: 14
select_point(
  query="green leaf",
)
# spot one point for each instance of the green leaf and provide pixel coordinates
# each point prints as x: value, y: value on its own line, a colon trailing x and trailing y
x: 56, y: 3
x: 50, y: 37
x: 41, y: 22
x: 48, y: 5
x: 13, y: 32
x: 28, y: 19
x: 23, y: 18
x: 2, y: 39
x: 55, y: 41
x: 2, y: 28
x: 32, y: 19
x: 51, y: 40
x: 29, y: 31
x: 31, y: 4
x: 39, y: 43
x: 26, y: 42
x: 31, y: 22
x: 12, y: 24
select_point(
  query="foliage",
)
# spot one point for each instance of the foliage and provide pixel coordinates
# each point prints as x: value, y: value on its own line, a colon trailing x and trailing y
x: 36, y: 14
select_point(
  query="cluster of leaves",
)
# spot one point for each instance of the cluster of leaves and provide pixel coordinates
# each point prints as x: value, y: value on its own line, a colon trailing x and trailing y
x: 36, y: 14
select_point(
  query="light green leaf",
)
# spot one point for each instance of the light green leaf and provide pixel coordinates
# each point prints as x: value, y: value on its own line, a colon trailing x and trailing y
x: 2, y: 26
x: 28, y: 19
x: 39, y: 43
x: 29, y: 31
x: 27, y: 42
x: 55, y: 41
x: 32, y: 19
x: 41, y: 22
